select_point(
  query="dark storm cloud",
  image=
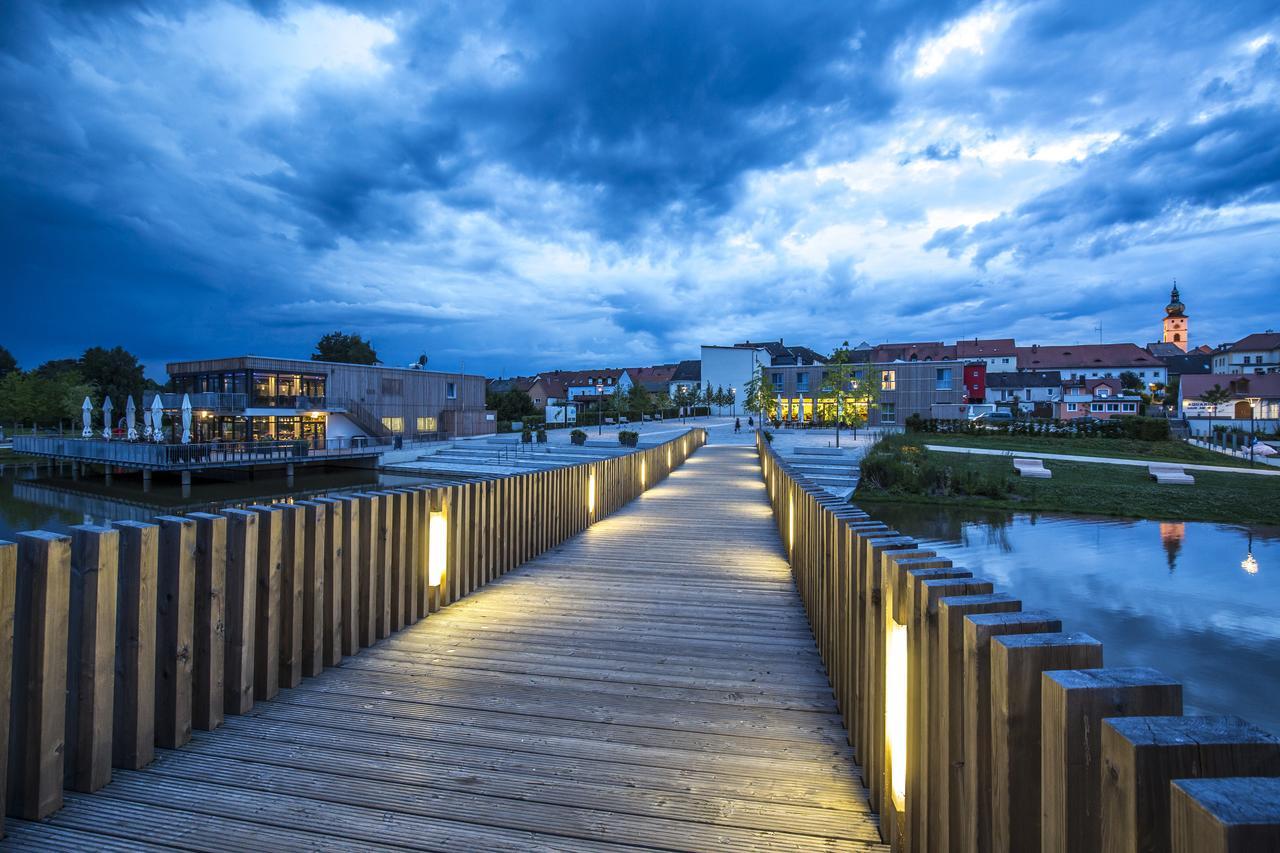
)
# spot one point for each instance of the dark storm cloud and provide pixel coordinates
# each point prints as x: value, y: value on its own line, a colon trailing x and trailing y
x: 1153, y: 174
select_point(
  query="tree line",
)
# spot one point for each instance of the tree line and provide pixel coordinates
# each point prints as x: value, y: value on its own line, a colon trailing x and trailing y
x: 52, y: 393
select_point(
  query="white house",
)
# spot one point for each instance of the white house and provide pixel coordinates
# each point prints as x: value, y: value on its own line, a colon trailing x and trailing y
x: 1256, y: 353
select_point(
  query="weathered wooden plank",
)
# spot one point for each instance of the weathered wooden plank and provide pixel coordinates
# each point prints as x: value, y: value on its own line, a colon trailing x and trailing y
x: 134, y: 710
x: 292, y: 555
x: 314, y: 593
x: 332, y: 555
x: 8, y: 594
x: 175, y: 629
x: 37, y: 732
x: 210, y: 632
x: 241, y: 610
x: 91, y: 657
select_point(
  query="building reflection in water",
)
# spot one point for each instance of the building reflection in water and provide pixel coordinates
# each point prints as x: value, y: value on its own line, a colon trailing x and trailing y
x: 1171, y: 536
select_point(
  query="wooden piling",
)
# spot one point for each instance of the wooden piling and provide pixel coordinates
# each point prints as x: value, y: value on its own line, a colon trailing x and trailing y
x: 37, y: 722
x: 134, y: 709
x: 266, y: 639
x: 332, y: 556
x: 8, y: 595
x: 292, y: 520
x: 241, y: 610
x: 1073, y: 705
x: 91, y: 657
x: 210, y: 637
x: 1236, y: 815
x: 314, y: 592
x: 175, y: 629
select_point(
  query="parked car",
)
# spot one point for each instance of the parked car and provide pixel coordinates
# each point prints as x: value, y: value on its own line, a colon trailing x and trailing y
x: 997, y: 418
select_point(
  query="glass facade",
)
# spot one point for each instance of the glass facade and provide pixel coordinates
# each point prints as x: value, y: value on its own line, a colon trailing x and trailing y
x: 263, y: 389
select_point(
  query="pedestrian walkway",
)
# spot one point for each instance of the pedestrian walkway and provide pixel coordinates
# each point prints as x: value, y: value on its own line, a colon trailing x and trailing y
x: 649, y: 684
x: 1063, y: 457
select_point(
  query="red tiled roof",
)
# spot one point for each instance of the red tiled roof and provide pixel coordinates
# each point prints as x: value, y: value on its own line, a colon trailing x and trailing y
x: 1266, y: 385
x: 921, y: 350
x: 657, y: 373
x: 985, y: 348
x: 1087, y: 356
x: 1256, y: 341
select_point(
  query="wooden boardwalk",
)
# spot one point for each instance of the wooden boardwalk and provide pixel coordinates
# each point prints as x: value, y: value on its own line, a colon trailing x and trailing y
x: 649, y: 684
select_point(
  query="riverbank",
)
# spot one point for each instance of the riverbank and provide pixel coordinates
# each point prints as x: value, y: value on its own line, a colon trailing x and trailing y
x: 902, y: 471
x: 1107, y: 448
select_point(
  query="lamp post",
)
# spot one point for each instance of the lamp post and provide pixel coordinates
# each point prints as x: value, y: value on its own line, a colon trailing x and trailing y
x: 733, y: 402
x: 1253, y: 436
x: 600, y: 408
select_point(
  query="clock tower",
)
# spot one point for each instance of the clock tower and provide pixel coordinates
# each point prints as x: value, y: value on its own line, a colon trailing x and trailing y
x: 1175, y: 321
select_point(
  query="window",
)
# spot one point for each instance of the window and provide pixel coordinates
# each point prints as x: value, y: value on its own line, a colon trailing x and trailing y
x: 426, y: 424
x: 451, y: 390
x: 802, y: 382
x: 393, y: 424
x: 1071, y: 407
x: 943, y: 379
x: 888, y: 413
x: 1004, y: 361
x: 392, y: 387
x: 1130, y: 407
x: 889, y: 380
x: 777, y: 380
x: 1113, y: 407
x: 1096, y: 407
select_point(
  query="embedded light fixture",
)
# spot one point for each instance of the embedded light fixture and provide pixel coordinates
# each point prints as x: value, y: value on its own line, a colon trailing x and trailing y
x: 644, y: 473
x: 438, y: 553
x: 895, y: 710
x: 591, y: 494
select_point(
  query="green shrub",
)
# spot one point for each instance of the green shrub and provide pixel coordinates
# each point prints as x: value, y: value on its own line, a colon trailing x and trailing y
x: 578, y: 437
x: 899, y: 463
x: 526, y: 436
x: 628, y: 438
x: 768, y: 436
x: 542, y: 436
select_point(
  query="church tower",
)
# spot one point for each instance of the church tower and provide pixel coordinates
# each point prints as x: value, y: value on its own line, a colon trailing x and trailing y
x: 1175, y: 321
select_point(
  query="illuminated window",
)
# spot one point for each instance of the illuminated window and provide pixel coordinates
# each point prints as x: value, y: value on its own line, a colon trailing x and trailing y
x: 426, y: 424
x: 889, y: 380
x: 393, y: 424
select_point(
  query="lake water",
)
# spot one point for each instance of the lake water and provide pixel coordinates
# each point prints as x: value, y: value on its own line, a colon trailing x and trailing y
x: 1200, y: 602
x: 46, y: 497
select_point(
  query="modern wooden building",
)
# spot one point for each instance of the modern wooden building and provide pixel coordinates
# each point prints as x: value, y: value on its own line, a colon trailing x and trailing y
x: 925, y: 388
x: 250, y: 398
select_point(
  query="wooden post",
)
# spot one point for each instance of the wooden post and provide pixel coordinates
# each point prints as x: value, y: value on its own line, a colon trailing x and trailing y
x: 951, y: 705
x: 38, y: 705
x: 1239, y: 815
x: 91, y: 657
x: 1142, y: 755
x: 242, y: 610
x: 1073, y: 705
x: 175, y: 629
x: 210, y: 623
x: 292, y: 556
x: 368, y: 535
x: 134, y: 703
x: 392, y: 588
x: 266, y: 645
x: 1017, y: 663
x: 353, y: 509
x: 331, y: 569
x: 8, y: 594
x: 926, y: 734
x: 975, y: 799
x: 413, y: 522
x: 314, y: 592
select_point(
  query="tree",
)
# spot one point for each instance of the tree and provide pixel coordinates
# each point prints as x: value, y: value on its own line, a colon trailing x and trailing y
x: 8, y: 364
x: 1215, y: 397
x: 113, y: 373
x: 708, y: 398
x: 640, y: 399
x: 838, y: 382
x: 757, y: 396
x: 618, y: 402
x: 685, y: 398
x: 662, y: 401
x: 1130, y: 381
x: 345, y: 349
x: 512, y: 405
x: 867, y: 385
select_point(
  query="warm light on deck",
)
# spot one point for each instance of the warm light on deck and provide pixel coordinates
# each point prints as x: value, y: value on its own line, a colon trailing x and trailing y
x: 591, y: 494
x: 895, y: 710
x: 438, y: 550
x: 791, y: 524
x: 644, y: 473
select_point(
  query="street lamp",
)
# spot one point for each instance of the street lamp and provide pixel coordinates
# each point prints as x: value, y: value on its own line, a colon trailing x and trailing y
x: 600, y: 408
x: 1253, y: 436
x: 733, y: 402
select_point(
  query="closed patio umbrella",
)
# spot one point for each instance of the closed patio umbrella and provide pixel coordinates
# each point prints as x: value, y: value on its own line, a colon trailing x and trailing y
x: 86, y: 414
x: 130, y: 419
x: 107, y: 409
x: 157, y: 419
x: 186, y: 419
x: 146, y: 422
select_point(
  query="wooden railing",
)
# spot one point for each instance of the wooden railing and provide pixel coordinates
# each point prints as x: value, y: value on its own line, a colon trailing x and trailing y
x: 981, y: 726
x: 114, y: 641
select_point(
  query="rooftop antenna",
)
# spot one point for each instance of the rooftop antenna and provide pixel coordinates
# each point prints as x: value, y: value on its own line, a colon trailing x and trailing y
x: 1098, y: 329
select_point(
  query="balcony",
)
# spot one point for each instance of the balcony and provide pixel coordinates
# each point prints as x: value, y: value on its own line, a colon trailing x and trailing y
x: 236, y: 404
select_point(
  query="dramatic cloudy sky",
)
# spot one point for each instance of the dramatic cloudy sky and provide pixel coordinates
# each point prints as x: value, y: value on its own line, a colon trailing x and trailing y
x: 534, y: 184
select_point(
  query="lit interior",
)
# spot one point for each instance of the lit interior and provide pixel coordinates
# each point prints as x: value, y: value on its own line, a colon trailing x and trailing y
x: 438, y: 537
x: 895, y: 710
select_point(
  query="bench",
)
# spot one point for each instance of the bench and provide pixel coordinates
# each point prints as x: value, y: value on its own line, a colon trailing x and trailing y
x: 609, y: 421
x: 819, y: 451
x: 1170, y: 474
x: 1032, y: 468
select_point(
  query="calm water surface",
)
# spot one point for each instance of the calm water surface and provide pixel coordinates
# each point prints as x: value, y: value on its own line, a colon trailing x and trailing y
x: 46, y: 497
x: 1198, y: 601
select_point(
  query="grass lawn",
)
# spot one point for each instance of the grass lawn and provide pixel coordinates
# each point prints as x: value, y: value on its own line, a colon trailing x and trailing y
x: 1119, y: 490
x: 1114, y: 448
